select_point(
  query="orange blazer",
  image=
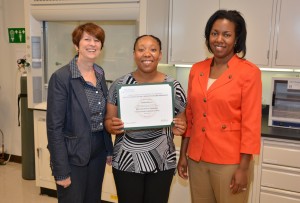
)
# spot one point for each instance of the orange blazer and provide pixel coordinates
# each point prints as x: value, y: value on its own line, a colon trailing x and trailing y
x: 224, y: 120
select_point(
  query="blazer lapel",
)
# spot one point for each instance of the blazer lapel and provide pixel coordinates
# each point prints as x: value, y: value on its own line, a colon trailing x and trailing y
x: 228, y: 75
x: 203, y: 75
x: 81, y: 97
x: 225, y: 78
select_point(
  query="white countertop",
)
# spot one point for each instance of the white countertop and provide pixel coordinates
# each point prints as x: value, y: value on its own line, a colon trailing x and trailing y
x: 41, y: 106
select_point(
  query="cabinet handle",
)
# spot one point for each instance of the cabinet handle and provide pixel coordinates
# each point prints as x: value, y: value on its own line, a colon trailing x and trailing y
x: 42, y: 119
x: 268, y: 54
x: 276, y: 55
x: 273, y: 98
x: 38, y: 150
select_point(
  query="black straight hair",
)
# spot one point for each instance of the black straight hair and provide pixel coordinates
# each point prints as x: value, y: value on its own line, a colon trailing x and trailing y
x: 240, y: 29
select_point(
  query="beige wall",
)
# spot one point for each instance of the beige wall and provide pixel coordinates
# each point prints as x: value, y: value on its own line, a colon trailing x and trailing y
x: 11, y: 15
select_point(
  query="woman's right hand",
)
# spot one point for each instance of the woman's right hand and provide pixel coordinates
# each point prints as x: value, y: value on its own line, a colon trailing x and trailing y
x: 114, y: 125
x: 65, y: 183
x: 182, y: 167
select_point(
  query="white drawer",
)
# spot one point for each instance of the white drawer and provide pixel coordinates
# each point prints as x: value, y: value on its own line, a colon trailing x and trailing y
x: 280, y: 177
x: 268, y: 195
x: 281, y: 153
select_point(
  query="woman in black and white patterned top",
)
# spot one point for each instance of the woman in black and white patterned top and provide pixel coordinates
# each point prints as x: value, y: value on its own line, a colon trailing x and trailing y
x: 144, y: 161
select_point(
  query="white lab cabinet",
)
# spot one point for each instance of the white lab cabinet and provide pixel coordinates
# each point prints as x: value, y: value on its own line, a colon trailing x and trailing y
x: 44, y: 176
x: 279, y: 171
x: 273, y: 38
x: 187, y: 23
x: 260, y: 23
x: 287, y: 34
x: 156, y: 18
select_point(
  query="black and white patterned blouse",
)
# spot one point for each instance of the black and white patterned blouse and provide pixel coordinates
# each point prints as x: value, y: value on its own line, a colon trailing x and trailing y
x: 146, y: 151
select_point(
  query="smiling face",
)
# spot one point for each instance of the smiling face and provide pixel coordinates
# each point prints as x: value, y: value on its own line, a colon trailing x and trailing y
x: 89, y: 47
x: 147, y: 54
x: 222, y: 39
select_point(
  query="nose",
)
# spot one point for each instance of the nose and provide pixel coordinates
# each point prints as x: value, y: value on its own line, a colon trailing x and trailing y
x: 219, y: 38
x: 147, y: 53
x: 92, y: 42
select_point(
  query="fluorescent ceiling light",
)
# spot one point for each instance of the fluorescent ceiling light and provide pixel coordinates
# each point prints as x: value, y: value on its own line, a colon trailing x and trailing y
x: 165, y: 64
x: 183, y: 65
x: 277, y: 69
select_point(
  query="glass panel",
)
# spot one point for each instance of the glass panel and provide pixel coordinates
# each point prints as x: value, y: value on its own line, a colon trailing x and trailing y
x: 116, y: 58
x: 286, y: 102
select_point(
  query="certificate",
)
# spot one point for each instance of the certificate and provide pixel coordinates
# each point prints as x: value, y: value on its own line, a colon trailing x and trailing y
x: 146, y: 105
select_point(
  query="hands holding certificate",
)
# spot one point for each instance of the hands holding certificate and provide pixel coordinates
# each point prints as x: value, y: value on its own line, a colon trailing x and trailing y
x: 114, y: 125
x: 144, y: 107
x: 179, y: 126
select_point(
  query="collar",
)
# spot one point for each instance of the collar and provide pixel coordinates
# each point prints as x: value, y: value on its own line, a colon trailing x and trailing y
x: 76, y: 73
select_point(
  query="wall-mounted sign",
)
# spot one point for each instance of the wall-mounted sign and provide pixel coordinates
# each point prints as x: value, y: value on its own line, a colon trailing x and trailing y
x: 16, y: 35
x: 293, y: 84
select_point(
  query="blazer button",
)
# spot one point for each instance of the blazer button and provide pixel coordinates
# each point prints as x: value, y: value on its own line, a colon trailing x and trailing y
x: 224, y: 126
x: 204, y: 100
x: 201, y: 74
x: 203, y: 129
x: 204, y: 114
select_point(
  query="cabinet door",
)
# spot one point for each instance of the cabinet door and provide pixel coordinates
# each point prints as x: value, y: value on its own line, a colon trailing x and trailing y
x: 268, y: 195
x: 44, y: 176
x: 187, y: 24
x: 157, y: 22
x: 259, y: 20
x: 280, y: 177
x: 281, y: 153
x: 287, y: 37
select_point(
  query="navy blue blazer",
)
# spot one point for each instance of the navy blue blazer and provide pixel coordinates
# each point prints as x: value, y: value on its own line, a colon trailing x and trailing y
x: 68, y: 122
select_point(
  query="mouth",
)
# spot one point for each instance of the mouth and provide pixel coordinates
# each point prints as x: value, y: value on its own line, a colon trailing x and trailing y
x: 91, y: 50
x: 147, y: 61
x: 219, y: 47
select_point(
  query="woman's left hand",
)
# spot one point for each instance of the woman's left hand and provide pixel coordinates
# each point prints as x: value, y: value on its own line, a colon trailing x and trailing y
x: 179, y: 126
x: 239, y: 181
x: 109, y: 160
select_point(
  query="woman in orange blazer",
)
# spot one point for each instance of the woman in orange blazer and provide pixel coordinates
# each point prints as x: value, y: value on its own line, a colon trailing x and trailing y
x: 223, y: 114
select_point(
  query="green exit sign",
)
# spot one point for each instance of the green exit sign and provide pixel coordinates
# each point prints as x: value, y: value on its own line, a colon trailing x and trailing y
x: 16, y: 35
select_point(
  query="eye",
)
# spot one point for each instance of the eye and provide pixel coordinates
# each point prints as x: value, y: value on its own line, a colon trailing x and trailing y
x: 153, y: 50
x: 227, y: 35
x: 214, y: 34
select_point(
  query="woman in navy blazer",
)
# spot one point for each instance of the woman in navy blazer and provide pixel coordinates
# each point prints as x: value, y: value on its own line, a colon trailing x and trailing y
x: 78, y: 142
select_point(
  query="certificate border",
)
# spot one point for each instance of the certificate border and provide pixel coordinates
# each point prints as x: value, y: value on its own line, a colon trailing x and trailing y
x: 144, y: 84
